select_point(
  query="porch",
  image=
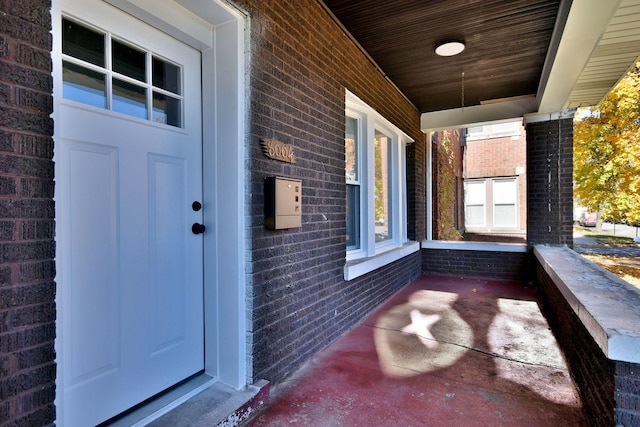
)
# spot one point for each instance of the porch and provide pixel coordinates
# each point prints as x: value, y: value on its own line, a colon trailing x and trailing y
x: 478, y: 352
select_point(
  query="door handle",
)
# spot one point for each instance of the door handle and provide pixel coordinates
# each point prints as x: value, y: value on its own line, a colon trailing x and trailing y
x: 198, y: 228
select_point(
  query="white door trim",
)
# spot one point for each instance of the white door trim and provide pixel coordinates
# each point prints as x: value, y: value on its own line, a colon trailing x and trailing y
x: 224, y: 138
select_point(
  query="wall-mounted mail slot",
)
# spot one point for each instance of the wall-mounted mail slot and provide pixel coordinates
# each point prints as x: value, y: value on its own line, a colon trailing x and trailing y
x: 282, y: 203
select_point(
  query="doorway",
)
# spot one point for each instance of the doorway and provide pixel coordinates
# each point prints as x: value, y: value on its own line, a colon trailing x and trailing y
x: 97, y: 144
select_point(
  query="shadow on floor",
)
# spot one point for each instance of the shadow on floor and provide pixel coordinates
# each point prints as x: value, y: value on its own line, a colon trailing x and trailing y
x: 441, y: 351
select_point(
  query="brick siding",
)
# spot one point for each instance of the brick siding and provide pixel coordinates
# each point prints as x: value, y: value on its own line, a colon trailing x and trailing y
x: 610, y: 390
x: 490, y: 264
x: 301, y: 63
x: 550, y: 182
x: 27, y: 290
x: 416, y: 191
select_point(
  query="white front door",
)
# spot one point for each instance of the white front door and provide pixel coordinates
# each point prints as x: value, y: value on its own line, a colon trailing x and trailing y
x: 129, y: 167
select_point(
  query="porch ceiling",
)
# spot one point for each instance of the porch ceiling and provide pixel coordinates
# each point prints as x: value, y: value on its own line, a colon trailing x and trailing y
x: 521, y: 56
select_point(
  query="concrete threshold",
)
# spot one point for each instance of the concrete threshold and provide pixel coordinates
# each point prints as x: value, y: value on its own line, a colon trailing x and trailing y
x: 218, y: 405
x: 200, y: 401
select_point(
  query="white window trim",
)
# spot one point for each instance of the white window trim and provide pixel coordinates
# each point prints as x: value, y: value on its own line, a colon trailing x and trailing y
x: 372, y: 255
x: 516, y: 204
x: 489, y: 206
x: 494, y: 130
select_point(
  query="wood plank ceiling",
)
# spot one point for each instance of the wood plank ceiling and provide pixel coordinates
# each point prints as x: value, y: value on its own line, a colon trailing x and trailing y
x: 506, y: 45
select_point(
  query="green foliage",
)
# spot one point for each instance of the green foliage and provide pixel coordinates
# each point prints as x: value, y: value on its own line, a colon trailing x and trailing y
x: 447, y: 189
x: 607, y: 153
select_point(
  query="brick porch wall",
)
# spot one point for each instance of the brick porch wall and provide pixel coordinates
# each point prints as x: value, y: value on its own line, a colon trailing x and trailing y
x: 610, y: 390
x: 550, y: 182
x: 495, y: 265
x: 298, y: 301
x: 27, y: 250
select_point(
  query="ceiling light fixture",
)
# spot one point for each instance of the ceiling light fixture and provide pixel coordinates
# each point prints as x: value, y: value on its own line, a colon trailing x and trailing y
x: 449, y: 48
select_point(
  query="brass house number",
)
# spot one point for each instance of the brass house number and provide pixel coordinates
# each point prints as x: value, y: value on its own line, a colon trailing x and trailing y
x: 278, y: 150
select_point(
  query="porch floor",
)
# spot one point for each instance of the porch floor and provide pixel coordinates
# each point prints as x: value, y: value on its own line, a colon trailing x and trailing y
x: 442, y: 351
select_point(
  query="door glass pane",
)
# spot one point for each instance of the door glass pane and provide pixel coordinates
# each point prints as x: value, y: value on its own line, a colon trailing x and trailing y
x: 83, y: 85
x: 129, y: 99
x: 128, y: 60
x: 167, y: 110
x: 382, y: 219
x: 82, y: 43
x: 166, y: 75
x: 351, y: 150
x: 353, y: 217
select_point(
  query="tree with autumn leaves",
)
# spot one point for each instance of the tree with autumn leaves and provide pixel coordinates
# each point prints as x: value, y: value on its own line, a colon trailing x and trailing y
x: 606, y: 144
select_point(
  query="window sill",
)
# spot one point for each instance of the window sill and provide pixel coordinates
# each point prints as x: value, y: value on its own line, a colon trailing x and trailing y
x: 360, y: 267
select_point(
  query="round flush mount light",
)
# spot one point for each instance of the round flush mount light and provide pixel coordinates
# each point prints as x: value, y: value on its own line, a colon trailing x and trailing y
x: 449, y: 48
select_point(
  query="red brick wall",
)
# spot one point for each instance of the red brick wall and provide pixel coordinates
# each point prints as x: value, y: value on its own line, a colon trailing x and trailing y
x: 27, y: 290
x: 301, y: 63
x: 495, y: 157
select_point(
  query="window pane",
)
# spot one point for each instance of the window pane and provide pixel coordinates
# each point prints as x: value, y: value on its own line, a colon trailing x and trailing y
x: 351, y: 150
x: 82, y: 43
x: 382, y: 196
x: 474, y: 200
x: 129, y: 99
x: 474, y: 192
x: 505, y: 191
x: 474, y: 215
x: 504, y: 216
x: 83, y: 85
x: 353, y: 217
x: 166, y: 75
x: 167, y: 110
x: 128, y: 60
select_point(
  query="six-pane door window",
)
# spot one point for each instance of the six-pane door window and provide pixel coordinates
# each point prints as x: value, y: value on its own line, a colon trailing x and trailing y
x: 105, y: 72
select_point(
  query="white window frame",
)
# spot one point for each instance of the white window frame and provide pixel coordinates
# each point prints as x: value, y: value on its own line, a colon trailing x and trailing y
x: 489, y: 205
x: 371, y: 255
x: 516, y: 205
x: 467, y: 184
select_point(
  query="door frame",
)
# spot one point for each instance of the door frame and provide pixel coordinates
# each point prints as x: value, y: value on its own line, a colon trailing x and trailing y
x: 217, y: 30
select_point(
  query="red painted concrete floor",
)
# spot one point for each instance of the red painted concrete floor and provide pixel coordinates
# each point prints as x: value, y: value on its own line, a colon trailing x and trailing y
x: 442, y: 351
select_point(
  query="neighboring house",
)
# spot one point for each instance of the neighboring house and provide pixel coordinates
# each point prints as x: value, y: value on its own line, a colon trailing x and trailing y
x: 136, y: 138
x: 479, y: 176
x: 495, y: 180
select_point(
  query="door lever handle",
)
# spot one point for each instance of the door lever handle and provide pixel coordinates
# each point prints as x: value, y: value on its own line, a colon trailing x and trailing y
x: 198, y: 228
